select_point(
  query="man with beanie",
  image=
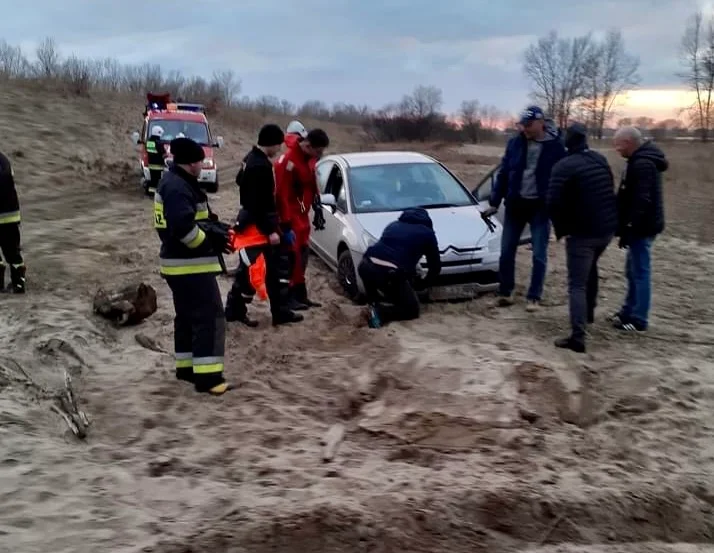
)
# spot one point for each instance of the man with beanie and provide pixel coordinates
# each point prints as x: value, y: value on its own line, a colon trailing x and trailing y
x: 10, y: 229
x: 523, y: 183
x: 582, y: 207
x: 191, y: 243
x: 259, y: 234
x: 296, y: 192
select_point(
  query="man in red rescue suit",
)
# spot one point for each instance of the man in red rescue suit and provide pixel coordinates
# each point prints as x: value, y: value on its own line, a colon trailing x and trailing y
x: 192, y: 241
x: 296, y: 192
x: 258, y: 232
x: 10, y: 229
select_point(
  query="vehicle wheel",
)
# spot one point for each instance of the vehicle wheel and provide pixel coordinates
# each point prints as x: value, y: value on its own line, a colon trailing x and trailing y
x: 347, y: 275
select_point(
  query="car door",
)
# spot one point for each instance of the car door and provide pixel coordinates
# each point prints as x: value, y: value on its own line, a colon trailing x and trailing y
x: 335, y: 217
x: 482, y: 192
x: 318, y: 238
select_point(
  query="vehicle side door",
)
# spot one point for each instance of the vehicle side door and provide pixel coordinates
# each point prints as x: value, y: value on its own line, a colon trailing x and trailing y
x: 335, y: 217
x: 318, y: 238
x: 482, y: 192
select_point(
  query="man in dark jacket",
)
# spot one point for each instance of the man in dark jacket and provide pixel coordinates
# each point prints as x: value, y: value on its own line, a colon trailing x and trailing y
x: 523, y: 183
x: 10, y: 229
x: 191, y: 246
x: 641, y: 218
x: 581, y: 204
x: 156, y: 154
x: 389, y: 266
x: 259, y: 233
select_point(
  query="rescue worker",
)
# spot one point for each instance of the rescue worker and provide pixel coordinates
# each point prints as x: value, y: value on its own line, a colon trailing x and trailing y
x: 295, y: 133
x: 389, y: 267
x: 296, y: 192
x: 155, y: 151
x: 259, y: 234
x: 191, y: 246
x: 10, y: 229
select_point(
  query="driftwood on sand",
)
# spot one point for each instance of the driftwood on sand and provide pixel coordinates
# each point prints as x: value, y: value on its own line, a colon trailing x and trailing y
x: 126, y: 306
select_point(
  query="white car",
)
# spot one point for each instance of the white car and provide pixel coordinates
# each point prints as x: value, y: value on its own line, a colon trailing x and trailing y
x: 363, y: 192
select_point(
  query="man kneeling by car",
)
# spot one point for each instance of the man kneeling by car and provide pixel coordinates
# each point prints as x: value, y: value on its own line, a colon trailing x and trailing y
x: 389, y: 267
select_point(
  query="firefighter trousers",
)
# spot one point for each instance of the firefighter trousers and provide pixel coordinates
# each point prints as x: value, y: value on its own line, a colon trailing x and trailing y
x: 277, y: 280
x: 153, y: 184
x: 12, y: 255
x: 199, y: 329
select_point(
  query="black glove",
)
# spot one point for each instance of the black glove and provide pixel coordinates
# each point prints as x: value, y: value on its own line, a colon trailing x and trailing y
x: 212, y: 217
x: 624, y: 242
x: 217, y: 235
x: 318, y: 220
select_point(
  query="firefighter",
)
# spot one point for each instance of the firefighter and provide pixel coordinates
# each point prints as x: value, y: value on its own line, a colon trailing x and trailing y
x: 155, y: 151
x: 296, y: 192
x: 10, y: 229
x: 191, y: 246
x: 259, y: 234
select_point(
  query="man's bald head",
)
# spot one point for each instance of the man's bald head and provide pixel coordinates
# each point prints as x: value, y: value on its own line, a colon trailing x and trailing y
x: 627, y: 140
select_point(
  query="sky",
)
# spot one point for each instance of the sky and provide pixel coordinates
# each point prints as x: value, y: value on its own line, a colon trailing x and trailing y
x: 362, y: 51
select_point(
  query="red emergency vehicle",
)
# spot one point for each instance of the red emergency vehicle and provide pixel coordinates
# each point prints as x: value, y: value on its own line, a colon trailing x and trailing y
x: 178, y: 119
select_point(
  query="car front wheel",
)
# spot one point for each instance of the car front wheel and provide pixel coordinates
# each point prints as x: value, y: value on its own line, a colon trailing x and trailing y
x: 347, y: 275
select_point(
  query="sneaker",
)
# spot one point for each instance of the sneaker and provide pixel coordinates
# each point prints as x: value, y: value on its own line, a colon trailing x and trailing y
x: 295, y: 305
x: 286, y: 318
x: 373, y: 320
x: 616, y: 317
x: 504, y: 301
x: 629, y: 326
x: 532, y: 306
x: 569, y: 343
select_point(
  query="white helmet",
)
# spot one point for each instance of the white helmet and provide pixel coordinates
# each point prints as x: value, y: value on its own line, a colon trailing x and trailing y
x: 296, y: 127
x: 180, y: 135
x: 156, y: 130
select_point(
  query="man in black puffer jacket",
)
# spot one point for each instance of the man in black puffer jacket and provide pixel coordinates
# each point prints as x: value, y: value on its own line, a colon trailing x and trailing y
x: 582, y: 207
x: 641, y: 218
x: 389, y: 266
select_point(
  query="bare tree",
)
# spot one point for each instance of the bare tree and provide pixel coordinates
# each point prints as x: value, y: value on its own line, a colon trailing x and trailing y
x: 48, y: 58
x: 267, y: 104
x: 470, y: 120
x: 698, y: 60
x: 13, y: 62
x: 556, y: 67
x: 424, y: 102
x: 609, y: 71
x: 228, y: 85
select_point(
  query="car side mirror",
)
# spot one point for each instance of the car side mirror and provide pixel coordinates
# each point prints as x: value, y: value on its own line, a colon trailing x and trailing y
x: 136, y: 137
x: 329, y: 200
x: 219, y: 142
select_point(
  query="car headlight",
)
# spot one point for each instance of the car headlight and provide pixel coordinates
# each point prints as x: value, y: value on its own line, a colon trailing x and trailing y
x: 208, y: 163
x: 494, y: 244
x: 368, y: 239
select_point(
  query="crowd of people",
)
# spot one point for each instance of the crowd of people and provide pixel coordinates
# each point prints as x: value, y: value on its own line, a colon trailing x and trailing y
x: 546, y: 180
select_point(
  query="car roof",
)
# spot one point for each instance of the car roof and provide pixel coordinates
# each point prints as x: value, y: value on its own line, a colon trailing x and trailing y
x: 177, y: 116
x: 362, y: 159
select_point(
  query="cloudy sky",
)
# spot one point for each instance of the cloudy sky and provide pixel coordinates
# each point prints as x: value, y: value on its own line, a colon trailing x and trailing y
x: 357, y: 51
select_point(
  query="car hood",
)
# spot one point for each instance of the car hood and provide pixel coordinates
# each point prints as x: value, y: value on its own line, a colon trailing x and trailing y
x: 459, y: 227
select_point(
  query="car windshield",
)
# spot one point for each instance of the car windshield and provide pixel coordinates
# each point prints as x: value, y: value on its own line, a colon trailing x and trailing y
x: 194, y: 130
x: 395, y: 187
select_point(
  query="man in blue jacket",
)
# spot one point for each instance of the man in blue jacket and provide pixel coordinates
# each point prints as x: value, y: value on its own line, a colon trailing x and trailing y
x: 523, y: 183
x: 389, y: 266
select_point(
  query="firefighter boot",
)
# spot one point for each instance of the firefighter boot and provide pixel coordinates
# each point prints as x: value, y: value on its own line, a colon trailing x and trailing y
x: 17, y: 276
x: 300, y: 295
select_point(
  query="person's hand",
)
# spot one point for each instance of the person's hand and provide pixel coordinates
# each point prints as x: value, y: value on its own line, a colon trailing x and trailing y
x: 623, y: 243
x: 489, y: 211
x: 274, y: 239
x: 318, y: 221
x: 289, y: 237
x: 212, y: 216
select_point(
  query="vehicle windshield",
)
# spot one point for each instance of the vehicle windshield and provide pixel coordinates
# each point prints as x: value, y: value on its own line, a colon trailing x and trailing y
x: 194, y: 130
x: 395, y: 187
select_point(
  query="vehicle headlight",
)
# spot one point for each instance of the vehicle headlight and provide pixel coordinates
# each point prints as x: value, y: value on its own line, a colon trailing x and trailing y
x: 208, y: 163
x: 494, y: 244
x: 368, y: 239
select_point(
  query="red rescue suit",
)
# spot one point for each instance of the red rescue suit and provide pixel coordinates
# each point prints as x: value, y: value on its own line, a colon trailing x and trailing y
x: 295, y: 191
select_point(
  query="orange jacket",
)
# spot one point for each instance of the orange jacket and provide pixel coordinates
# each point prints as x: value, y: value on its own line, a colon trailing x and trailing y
x: 248, y: 238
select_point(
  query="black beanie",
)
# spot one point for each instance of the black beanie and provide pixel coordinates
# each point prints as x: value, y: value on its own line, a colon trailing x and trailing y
x: 186, y: 151
x: 270, y: 135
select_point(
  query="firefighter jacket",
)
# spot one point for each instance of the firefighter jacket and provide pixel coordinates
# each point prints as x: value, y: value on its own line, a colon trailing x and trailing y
x: 179, y: 204
x: 155, y: 152
x: 9, y: 203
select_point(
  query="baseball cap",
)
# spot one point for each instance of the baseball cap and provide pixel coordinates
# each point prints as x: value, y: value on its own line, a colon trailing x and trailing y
x: 531, y: 113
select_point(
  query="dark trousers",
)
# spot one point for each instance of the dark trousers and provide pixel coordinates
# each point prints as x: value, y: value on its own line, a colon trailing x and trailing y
x: 278, y: 265
x: 10, y: 244
x: 199, y: 329
x: 155, y: 177
x: 582, y: 256
x: 389, y: 291
x: 520, y: 213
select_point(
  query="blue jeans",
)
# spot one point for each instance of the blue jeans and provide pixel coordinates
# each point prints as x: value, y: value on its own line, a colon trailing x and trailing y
x: 639, y: 281
x: 518, y: 214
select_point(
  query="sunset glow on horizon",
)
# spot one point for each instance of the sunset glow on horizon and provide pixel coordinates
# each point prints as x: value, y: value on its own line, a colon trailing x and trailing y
x: 658, y: 104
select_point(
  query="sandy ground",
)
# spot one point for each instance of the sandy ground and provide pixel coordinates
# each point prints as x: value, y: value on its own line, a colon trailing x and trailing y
x: 466, y: 431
